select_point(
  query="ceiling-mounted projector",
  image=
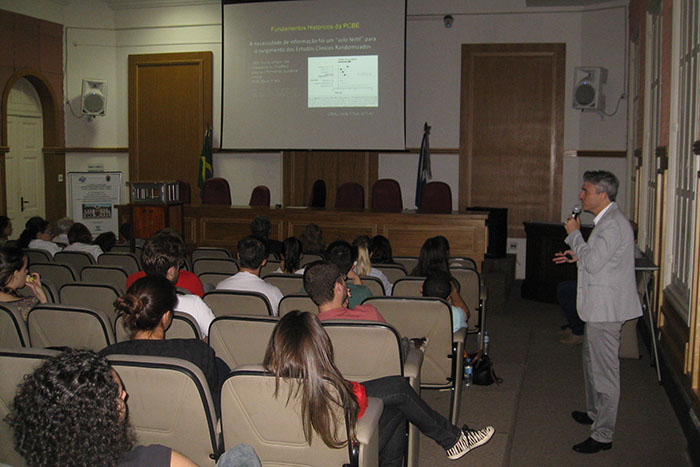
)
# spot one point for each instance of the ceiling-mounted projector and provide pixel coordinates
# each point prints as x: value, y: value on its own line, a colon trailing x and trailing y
x: 94, y: 97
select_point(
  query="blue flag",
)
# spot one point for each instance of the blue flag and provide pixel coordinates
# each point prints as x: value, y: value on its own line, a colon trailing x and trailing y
x: 206, y: 168
x: 424, y: 174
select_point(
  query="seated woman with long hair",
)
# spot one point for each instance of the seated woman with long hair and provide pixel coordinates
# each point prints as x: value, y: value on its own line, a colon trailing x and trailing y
x: 37, y: 234
x: 13, y: 276
x: 363, y: 266
x: 300, y: 348
x: 380, y: 250
x: 147, y: 311
x: 80, y: 239
x: 5, y: 230
x: 291, y: 256
x: 434, y: 256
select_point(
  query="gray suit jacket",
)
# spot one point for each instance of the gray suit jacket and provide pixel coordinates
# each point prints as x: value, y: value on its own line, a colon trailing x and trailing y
x: 607, y: 289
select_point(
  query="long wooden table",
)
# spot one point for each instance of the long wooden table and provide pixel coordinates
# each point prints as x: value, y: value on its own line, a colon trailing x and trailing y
x: 224, y: 225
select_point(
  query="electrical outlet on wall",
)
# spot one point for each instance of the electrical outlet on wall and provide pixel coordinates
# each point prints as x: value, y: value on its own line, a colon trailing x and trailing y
x: 512, y: 246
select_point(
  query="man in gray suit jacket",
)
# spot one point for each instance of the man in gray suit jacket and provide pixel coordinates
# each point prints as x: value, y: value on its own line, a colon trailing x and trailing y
x: 606, y: 297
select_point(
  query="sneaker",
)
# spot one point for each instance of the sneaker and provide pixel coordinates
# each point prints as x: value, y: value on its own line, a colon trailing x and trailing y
x: 468, y: 440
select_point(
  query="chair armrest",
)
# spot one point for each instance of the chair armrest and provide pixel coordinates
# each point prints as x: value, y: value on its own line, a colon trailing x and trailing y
x: 484, y: 293
x: 412, y: 366
x: 460, y: 336
x: 367, y: 425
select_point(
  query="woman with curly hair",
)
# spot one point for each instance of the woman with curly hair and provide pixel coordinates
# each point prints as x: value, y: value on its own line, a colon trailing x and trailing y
x: 13, y: 276
x: 300, y: 348
x: 72, y: 411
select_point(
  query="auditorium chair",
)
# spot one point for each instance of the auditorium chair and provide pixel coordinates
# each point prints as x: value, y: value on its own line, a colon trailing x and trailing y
x: 182, y: 326
x: 374, y: 284
x: 386, y: 196
x: 241, y: 340
x: 105, y: 274
x: 408, y: 262
x: 220, y: 265
x: 57, y: 325
x: 436, y: 198
x: 350, y: 195
x: 297, y: 301
x: 287, y: 283
x: 13, y: 329
x: 308, y: 258
x: 216, y: 191
x: 408, y: 286
x: 237, y: 302
x: 36, y: 255
x: 474, y: 294
x: 393, y: 272
x: 128, y: 261
x: 260, y: 196
x: 207, y: 252
x: 57, y: 274
x: 317, y: 198
x: 76, y: 260
x: 212, y: 278
x: 92, y: 296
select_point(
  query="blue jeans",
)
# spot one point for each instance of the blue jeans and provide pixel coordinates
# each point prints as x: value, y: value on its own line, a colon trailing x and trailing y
x: 401, y: 404
x: 566, y: 295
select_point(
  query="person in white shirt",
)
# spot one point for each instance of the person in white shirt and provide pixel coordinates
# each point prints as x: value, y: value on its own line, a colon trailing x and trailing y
x: 163, y: 255
x: 251, y: 259
x: 38, y: 234
x: 80, y: 239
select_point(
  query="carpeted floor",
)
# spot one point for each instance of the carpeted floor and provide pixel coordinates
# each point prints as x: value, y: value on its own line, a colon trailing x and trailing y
x: 543, y: 383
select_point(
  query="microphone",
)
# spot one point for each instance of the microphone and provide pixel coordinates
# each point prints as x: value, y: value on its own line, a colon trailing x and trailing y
x: 576, y: 211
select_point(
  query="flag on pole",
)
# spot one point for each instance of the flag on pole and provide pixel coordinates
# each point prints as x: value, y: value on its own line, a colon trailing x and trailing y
x: 424, y: 173
x: 206, y: 168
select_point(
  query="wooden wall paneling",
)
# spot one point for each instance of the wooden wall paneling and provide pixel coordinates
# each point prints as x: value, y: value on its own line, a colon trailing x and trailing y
x: 170, y: 106
x: 511, y: 132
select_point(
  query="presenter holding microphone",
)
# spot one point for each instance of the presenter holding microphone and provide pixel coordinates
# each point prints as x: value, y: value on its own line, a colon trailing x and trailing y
x: 606, y: 297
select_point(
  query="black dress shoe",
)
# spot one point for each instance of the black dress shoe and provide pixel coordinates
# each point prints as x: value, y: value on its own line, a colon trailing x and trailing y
x: 581, y: 417
x: 591, y: 446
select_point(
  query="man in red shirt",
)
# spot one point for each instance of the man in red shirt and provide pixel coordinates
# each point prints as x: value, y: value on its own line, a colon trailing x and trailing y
x: 326, y: 286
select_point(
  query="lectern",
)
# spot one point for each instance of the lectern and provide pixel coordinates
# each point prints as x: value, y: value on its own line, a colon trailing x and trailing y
x: 154, y: 205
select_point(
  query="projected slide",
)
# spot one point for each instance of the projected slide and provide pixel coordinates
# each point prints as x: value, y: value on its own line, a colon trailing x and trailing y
x: 313, y: 74
x: 343, y: 81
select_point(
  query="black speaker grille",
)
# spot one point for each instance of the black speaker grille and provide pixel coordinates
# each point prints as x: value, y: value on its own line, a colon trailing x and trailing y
x: 585, y: 94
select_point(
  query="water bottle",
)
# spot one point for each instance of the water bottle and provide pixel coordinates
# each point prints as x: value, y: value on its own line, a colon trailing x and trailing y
x: 486, y: 342
x: 468, y: 373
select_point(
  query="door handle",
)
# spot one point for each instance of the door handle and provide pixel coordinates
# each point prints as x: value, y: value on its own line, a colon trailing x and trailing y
x: 22, y: 201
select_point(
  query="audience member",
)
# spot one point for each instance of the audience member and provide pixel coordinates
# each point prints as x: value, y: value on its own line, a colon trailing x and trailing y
x: 163, y: 255
x: 72, y: 411
x: 80, y: 239
x: 37, y: 234
x: 363, y: 266
x: 170, y: 249
x: 260, y: 229
x: 326, y: 286
x: 300, y: 348
x: 439, y: 284
x: 433, y: 256
x: 125, y: 235
x: 106, y: 241
x: 291, y: 256
x: 5, y: 230
x: 340, y: 254
x: 251, y: 259
x: 312, y: 240
x: 147, y: 311
x: 13, y: 276
x: 63, y: 225
x: 380, y: 250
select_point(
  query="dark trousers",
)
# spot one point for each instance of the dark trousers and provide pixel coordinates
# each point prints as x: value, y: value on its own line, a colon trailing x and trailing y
x: 401, y: 403
x: 566, y: 295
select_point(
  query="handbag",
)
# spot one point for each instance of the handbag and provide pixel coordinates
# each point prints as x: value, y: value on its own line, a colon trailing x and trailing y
x: 483, y: 373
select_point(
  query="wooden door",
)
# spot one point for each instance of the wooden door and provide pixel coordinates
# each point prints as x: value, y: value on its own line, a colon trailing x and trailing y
x: 170, y: 106
x: 512, y: 130
x: 24, y: 174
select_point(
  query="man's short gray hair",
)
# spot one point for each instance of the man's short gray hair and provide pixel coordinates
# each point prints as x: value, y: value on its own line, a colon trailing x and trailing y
x: 604, y: 181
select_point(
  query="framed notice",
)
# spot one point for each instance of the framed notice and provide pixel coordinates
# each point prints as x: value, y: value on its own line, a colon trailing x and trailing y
x: 93, y: 196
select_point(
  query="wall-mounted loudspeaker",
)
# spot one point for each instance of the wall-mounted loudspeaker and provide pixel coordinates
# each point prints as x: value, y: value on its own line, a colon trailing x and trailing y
x: 94, y: 97
x: 588, y: 87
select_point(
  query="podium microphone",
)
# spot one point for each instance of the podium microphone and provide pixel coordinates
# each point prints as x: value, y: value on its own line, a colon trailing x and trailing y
x: 576, y: 211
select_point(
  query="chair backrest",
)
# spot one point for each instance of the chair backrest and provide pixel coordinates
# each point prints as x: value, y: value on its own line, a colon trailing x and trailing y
x: 183, y: 326
x: 127, y: 249
x: 67, y: 326
x: 270, y: 267
x: 309, y: 258
x: 57, y: 274
x: 462, y: 262
x: 374, y: 284
x: 408, y: 287
x: 470, y: 290
x: 105, y: 274
x: 75, y: 259
x: 212, y: 278
x: 393, y: 272
x: 13, y: 329
x: 437, y: 198
x: 92, y: 296
x: 251, y: 414
x: 365, y: 350
x: 236, y: 302
x: 287, y: 283
x: 170, y: 403
x: 423, y: 317
x: 350, y: 195
x: 408, y: 262
x: 260, y: 196
x: 35, y: 255
x: 386, y: 196
x: 297, y: 302
x: 317, y: 198
x: 14, y: 365
x: 128, y: 261
x: 210, y: 252
x: 185, y: 192
x: 216, y: 191
x: 50, y: 291
x: 223, y: 265
x: 240, y: 340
